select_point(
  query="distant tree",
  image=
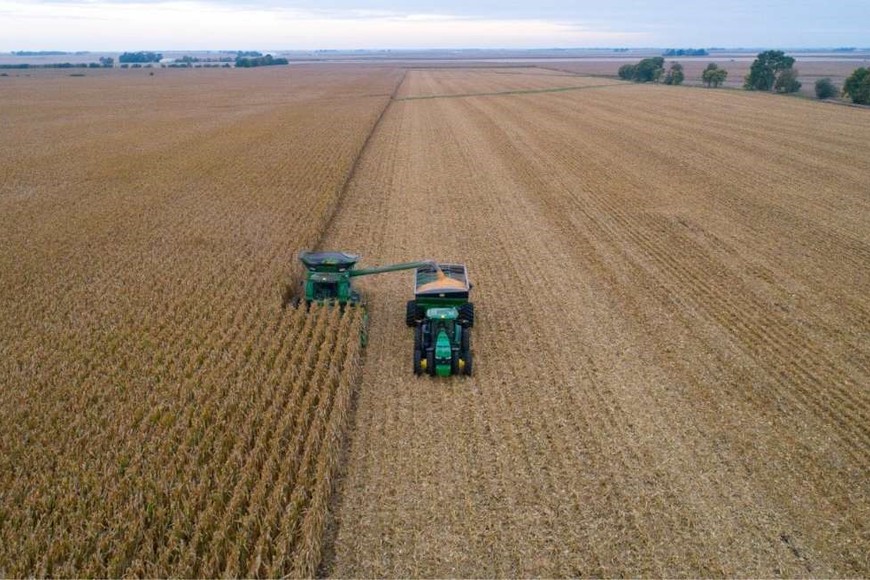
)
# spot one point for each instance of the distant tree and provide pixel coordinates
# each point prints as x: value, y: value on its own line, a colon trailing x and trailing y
x: 141, y: 56
x: 675, y: 75
x: 39, y: 52
x: 857, y: 86
x: 765, y: 70
x: 648, y: 70
x: 686, y: 52
x: 107, y: 61
x: 787, y: 81
x: 825, y: 89
x: 267, y: 60
x: 626, y: 72
x: 713, y: 76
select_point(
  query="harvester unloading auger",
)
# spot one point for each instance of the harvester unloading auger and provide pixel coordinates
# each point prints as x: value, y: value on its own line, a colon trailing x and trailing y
x: 440, y: 313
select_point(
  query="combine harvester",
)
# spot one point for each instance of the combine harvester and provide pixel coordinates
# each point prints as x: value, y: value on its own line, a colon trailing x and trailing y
x: 440, y: 313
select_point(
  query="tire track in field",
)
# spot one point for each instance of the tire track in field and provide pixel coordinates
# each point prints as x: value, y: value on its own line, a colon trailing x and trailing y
x: 504, y: 93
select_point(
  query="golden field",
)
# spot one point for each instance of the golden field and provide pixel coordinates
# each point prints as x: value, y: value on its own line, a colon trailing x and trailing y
x: 672, y: 370
x: 162, y: 413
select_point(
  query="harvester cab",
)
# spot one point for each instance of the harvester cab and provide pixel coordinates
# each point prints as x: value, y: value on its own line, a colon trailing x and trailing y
x: 328, y: 277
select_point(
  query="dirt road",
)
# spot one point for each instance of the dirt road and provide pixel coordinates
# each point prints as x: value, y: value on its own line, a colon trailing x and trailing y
x: 671, y: 344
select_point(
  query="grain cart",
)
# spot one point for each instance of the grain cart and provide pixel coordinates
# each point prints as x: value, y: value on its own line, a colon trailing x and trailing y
x: 442, y: 318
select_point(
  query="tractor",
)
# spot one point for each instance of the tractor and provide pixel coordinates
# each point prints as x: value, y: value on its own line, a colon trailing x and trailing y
x: 442, y: 318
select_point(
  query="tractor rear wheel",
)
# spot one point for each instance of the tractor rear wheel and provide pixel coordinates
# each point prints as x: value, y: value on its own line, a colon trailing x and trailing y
x: 413, y: 314
x: 465, y: 350
x: 430, y: 362
x: 454, y: 363
x: 418, y: 360
x: 466, y: 315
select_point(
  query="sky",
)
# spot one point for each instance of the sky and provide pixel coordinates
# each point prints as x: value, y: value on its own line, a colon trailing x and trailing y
x: 120, y: 25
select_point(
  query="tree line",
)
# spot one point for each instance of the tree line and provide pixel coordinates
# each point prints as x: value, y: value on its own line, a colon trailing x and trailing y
x: 772, y: 70
x: 252, y: 61
x: 140, y: 57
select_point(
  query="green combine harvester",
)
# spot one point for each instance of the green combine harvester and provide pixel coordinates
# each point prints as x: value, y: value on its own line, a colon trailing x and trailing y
x: 441, y: 315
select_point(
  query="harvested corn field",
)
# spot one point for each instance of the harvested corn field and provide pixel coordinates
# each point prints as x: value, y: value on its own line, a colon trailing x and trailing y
x: 160, y: 412
x: 671, y: 346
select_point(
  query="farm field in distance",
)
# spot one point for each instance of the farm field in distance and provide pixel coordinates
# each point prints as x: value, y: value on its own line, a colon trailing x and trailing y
x: 672, y: 364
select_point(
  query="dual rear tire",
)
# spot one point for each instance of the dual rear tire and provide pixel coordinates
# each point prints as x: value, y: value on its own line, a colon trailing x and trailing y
x: 465, y: 351
x: 466, y: 315
x: 414, y: 314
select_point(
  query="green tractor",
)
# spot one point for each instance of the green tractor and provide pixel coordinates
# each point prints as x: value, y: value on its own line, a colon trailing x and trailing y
x: 442, y: 318
x: 440, y: 313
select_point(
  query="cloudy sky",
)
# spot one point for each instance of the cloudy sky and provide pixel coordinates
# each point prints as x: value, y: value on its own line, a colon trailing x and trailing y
x: 308, y: 24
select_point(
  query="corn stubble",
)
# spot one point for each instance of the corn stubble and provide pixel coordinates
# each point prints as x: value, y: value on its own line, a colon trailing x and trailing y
x: 161, y: 414
x: 671, y: 356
